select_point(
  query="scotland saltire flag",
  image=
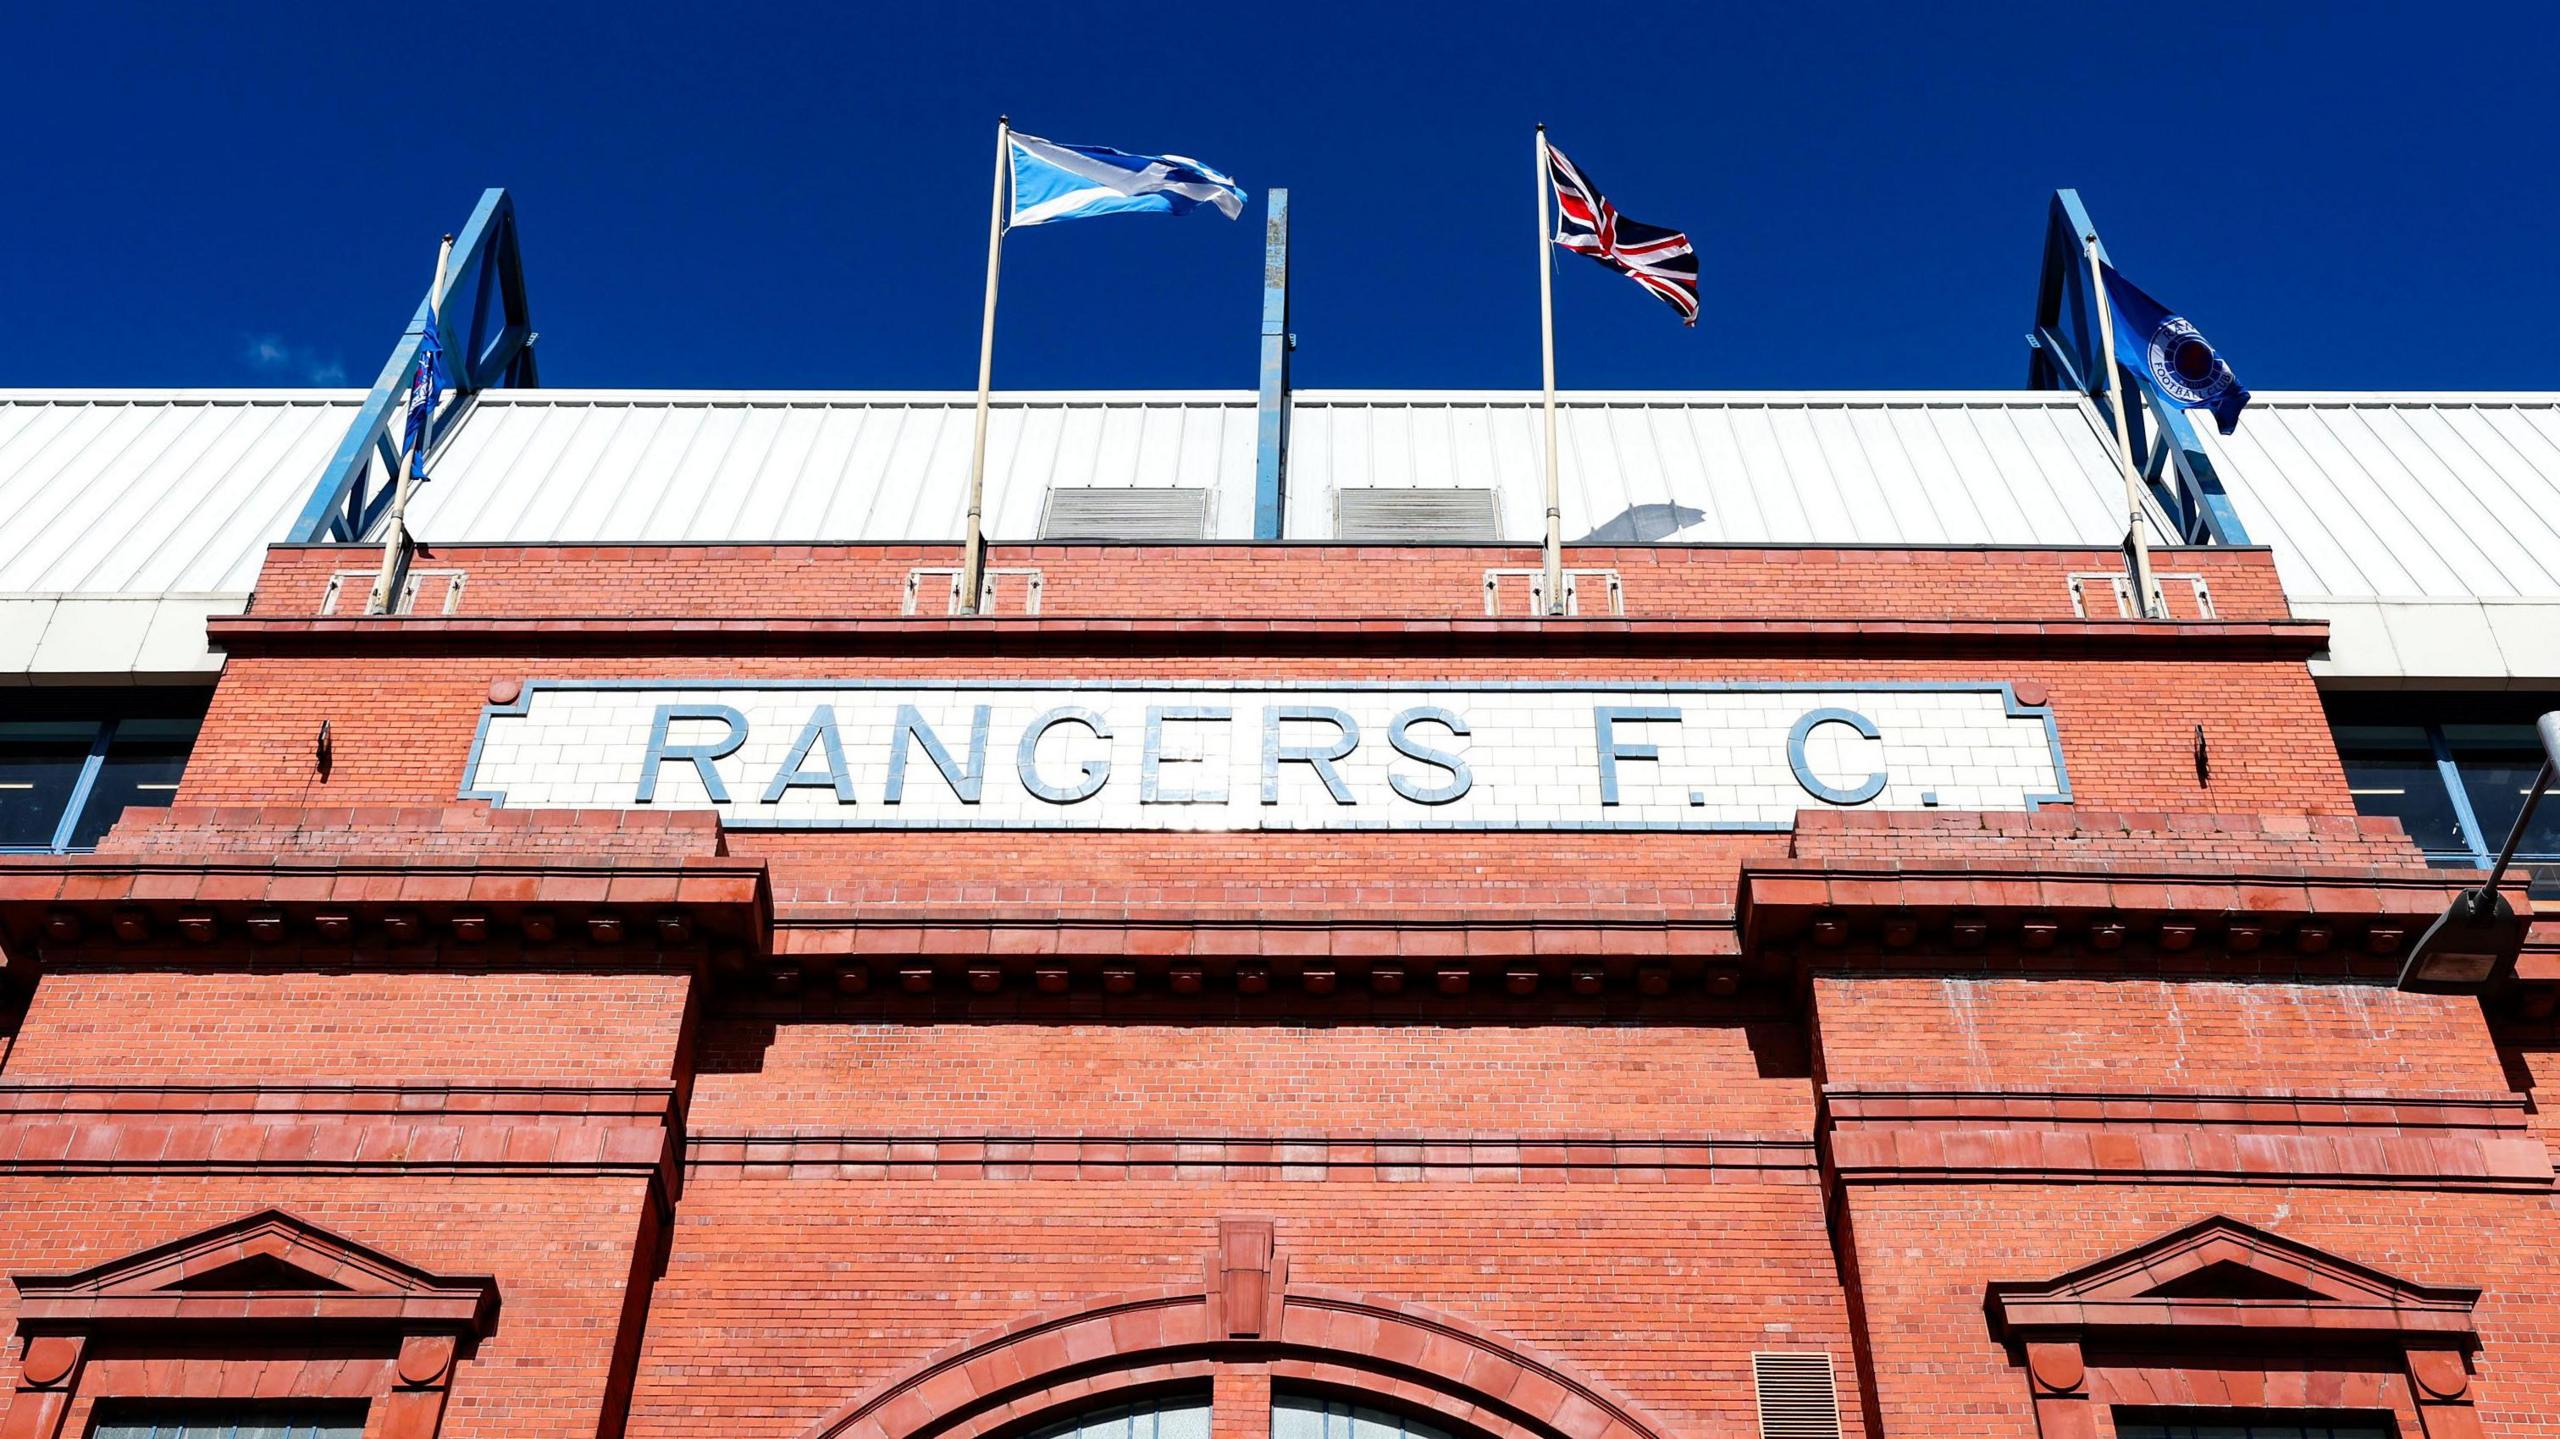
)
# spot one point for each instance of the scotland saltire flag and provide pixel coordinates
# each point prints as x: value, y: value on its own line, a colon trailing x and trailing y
x: 1586, y: 223
x: 1073, y: 182
x: 426, y: 385
x: 2180, y: 363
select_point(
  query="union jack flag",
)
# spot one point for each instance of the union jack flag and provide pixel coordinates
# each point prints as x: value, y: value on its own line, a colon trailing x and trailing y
x: 1656, y: 258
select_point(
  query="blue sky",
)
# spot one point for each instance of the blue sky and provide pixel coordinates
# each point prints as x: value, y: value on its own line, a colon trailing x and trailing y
x: 2342, y: 196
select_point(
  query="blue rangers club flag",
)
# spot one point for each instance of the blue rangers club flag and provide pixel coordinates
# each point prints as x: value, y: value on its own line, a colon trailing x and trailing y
x: 2168, y: 351
x: 426, y: 385
x: 1050, y: 181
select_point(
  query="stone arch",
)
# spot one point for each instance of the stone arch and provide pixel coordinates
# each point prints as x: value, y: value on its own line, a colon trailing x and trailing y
x: 1441, y: 1368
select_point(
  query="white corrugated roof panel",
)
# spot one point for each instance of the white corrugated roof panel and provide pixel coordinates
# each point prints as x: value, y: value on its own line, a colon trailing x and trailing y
x: 566, y: 465
x: 156, y: 493
x: 2424, y: 528
x: 2400, y: 497
x: 2023, y: 468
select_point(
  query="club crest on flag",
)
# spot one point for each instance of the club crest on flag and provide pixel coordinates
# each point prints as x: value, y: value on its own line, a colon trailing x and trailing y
x: 2176, y: 358
x: 2184, y: 365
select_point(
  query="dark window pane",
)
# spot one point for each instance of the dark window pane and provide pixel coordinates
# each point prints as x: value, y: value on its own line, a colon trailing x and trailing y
x: 2240, y: 1427
x: 2391, y: 770
x: 2498, y: 763
x: 40, y: 761
x: 142, y: 767
x: 127, y: 1419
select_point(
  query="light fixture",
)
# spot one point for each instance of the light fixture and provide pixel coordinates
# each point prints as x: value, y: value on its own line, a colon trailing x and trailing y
x: 2474, y: 943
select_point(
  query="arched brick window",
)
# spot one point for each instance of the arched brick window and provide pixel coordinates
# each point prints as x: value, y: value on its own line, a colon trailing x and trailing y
x: 1345, y: 1365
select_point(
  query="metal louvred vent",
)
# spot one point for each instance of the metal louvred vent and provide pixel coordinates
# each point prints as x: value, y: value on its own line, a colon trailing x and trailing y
x: 1798, y: 1399
x: 1125, y: 513
x: 1381, y: 513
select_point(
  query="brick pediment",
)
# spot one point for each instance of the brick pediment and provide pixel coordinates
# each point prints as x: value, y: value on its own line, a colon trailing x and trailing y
x: 2223, y: 1274
x: 265, y: 1267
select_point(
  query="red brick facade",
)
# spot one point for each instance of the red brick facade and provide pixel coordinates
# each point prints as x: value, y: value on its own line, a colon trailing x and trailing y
x: 324, y: 1082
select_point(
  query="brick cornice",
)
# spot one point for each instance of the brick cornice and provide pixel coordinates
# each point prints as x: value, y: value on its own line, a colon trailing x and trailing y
x: 2347, y: 920
x: 251, y: 635
x: 2364, y: 1140
x: 419, y: 1128
x: 161, y: 908
x: 1580, y: 1158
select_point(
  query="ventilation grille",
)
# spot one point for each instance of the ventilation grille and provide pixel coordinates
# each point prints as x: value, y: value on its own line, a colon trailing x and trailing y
x: 1797, y: 1397
x: 1122, y: 513
x: 1378, y: 513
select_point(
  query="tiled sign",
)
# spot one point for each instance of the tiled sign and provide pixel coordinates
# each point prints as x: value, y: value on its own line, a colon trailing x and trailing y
x: 863, y: 754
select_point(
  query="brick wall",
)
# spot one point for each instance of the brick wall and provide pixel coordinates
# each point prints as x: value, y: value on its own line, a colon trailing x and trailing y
x: 1644, y: 1186
x: 1925, y: 1255
x: 350, y: 1021
x: 2148, y: 1034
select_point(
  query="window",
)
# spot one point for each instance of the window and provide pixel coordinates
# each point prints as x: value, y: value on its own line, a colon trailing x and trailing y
x: 70, y: 766
x: 1308, y: 1416
x: 2497, y: 763
x: 2392, y: 770
x: 2454, y: 770
x: 1174, y: 1416
x: 40, y: 764
x: 228, y: 1421
x: 2245, y: 1426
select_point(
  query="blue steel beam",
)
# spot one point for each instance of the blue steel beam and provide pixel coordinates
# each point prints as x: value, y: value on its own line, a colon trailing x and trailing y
x: 2064, y: 353
x: 488, y: 341
x: 1271, y: 454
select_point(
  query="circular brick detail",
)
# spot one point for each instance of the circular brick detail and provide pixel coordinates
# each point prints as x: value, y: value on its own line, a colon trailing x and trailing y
x: 2439, y: 1373
x: 2030, y: 693
x: 2057, y: 1367
x: 48, y: 1360
x: 505, y: 692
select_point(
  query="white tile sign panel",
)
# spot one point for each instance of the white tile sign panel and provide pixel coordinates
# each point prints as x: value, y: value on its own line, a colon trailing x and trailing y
x: 859, y: 754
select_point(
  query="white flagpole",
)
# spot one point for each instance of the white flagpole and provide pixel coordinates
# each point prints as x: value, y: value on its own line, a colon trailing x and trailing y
x: 973, y: 559
x: 2137, y: 544
x: 1547, y: 357
x: 394, y: 569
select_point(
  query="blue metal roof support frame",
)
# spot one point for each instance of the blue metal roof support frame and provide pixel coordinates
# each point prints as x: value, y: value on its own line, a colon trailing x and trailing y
x: 488, y: 341
x: 1271, y: 454
x: 2064, y: 353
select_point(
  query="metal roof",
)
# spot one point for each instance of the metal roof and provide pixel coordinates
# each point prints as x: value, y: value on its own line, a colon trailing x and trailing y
x: 2425, y: 528
x: 552, y: 465
x: 113, y: 492
x: 2401, y: 496
x: 1972, y: 468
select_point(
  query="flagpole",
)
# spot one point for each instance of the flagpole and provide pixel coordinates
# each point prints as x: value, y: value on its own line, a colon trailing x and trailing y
x: 1547, y: 359
x: 393, y: 570
x: 2137, y: 544
x: 973, y: 560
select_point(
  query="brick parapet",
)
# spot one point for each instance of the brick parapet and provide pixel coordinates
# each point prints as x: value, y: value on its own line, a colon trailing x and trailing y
x: 1082, y: 580
x: 428, y: 831
x: 1864, y: 837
